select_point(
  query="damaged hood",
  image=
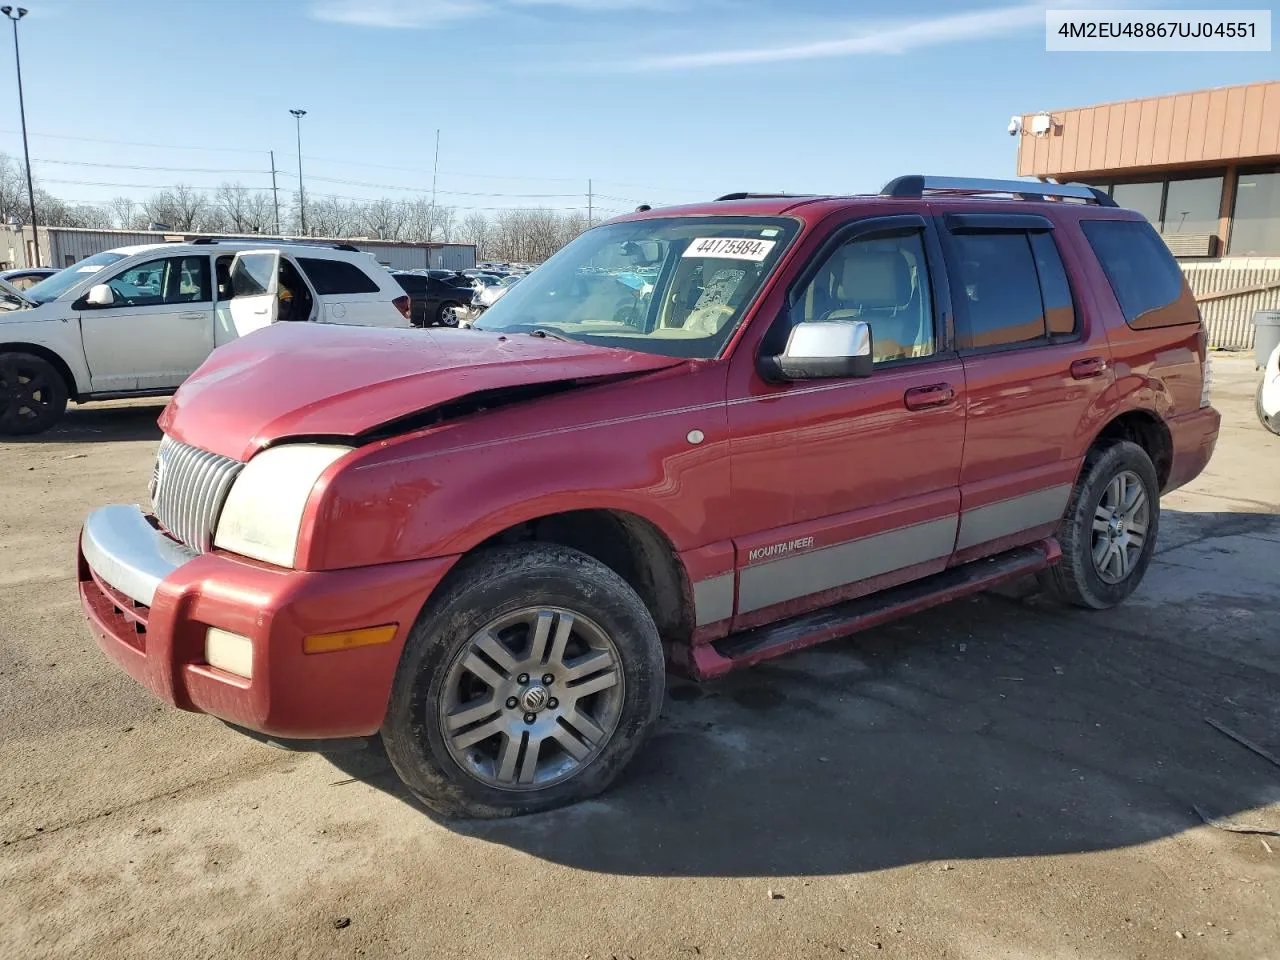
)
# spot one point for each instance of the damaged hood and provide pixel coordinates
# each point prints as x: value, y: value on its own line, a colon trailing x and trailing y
x: 305, y: 379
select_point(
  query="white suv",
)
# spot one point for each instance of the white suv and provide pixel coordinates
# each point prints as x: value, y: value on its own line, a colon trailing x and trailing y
x: 137, y: 321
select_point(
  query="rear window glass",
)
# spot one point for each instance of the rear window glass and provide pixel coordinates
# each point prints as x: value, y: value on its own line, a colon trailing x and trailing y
x: 1142, y: 272
x: 336, y: 276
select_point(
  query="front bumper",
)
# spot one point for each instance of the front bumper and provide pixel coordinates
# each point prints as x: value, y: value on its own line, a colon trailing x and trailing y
x: 150, y: 602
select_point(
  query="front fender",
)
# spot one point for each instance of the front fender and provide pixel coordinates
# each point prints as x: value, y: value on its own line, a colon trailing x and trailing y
x: 57, y: 335
x: 624, y: 447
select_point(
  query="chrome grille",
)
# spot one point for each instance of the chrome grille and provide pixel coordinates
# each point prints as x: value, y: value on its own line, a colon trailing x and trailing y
x: 188, y: 488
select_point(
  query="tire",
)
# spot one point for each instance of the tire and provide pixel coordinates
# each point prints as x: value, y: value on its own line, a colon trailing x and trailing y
x: 447, y: 315
x: 33, y: 395
x: 1271, y: 423
x: 456, y: 740
x: 1077, y: 578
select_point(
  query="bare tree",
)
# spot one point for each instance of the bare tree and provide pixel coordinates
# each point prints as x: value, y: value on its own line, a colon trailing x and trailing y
x: 475, y: 229
x: 127, y: 215
x: 180, y: 208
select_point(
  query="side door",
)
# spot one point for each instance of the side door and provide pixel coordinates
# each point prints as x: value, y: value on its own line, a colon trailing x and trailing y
x: 255, y: 290
x: 1037, y: 364
x: 156, y: 329
x: 852, y: 484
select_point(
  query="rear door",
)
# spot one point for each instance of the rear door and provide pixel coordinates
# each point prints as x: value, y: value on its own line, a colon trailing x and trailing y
x: 1036, y: 363
x: 255, y: 289
x: 157, y: 330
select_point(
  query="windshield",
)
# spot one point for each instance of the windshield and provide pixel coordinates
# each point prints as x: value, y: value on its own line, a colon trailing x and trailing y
x: 55, y: 286
x: 675, y: 286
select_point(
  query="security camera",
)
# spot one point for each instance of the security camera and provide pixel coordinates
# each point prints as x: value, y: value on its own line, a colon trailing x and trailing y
x: 1015, y: 126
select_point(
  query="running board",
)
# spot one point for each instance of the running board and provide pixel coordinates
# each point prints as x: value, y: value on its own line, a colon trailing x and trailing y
x: 763, y: 643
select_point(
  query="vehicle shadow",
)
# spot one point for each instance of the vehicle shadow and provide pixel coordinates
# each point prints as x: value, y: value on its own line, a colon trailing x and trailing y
x: 96, y: 423
x: 988, y: 728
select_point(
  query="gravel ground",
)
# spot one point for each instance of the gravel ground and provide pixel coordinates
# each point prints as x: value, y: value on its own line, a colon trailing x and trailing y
x: 997, y: 778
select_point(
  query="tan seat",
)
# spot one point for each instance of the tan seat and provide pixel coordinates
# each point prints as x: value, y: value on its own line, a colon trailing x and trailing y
x: 877, y: 287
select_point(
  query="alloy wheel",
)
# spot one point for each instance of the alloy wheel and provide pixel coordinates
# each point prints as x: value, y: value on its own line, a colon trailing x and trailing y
x: 26, y: 395
x: 531, y: 698
x: 1120, y: 527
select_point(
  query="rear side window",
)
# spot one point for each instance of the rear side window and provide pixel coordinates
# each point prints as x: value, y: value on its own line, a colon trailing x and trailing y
x: 1013, y: 289
x: 1142, y: 272
x: 336, y: 276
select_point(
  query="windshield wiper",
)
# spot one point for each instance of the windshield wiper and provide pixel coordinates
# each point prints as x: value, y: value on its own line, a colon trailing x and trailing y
x: 545, y: 332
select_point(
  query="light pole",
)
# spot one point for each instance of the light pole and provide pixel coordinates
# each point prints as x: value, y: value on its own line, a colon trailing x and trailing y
x: 15, y: 14
x: 302, y: 197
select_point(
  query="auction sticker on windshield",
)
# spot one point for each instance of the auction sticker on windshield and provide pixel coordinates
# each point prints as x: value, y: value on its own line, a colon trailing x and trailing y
x: 728, y: 248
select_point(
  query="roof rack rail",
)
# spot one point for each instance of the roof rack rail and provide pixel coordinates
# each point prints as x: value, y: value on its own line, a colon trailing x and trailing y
x: 757, y: 196
x: 915, y: 186
x: 273, y: 241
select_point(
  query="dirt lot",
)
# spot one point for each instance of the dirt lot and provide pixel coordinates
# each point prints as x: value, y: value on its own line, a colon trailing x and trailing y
x: 997, y: 778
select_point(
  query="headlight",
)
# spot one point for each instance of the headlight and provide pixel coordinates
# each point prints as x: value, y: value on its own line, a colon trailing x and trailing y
x: 263, y: 513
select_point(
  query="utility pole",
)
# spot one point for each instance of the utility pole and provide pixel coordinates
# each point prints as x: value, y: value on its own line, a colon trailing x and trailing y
x: 15, y: 15
x: 302, y: 197
x: 435, y: 170
x: 275, y: 197
x: 590, y: 204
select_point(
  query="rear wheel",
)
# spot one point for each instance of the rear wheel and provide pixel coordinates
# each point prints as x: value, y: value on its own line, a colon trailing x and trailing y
x: 449, y: 314
x: 33, y: 395
x: 1109, y: 532
x: 528, y: 684
x: 1271, y: 422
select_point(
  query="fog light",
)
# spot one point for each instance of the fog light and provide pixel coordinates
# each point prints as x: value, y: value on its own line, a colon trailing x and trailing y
x: 345, y: 640
x: 229, y: 651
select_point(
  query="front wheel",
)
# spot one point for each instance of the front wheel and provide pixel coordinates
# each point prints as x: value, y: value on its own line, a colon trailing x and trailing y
x: 1109, y: 533
x: 527, y: 685
x: 33, y: 395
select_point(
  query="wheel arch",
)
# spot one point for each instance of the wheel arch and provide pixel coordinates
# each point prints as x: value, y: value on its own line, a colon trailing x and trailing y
x: 1149, y: 431
x: 52, y: 356
x: 632, y: 546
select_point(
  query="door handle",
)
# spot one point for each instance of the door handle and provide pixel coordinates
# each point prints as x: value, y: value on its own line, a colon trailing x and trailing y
x: 934, y: 395
x: 191, y: 316
x: 260, y: 313
x: 1089, y: 367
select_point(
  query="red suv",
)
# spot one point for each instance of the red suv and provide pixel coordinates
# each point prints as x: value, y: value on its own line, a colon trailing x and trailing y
x: 694, y: 439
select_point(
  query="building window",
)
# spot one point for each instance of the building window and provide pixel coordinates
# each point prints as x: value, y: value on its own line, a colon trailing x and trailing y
x: 1143, y: 197
x: 1191, y: 207
x: 1255, y: 226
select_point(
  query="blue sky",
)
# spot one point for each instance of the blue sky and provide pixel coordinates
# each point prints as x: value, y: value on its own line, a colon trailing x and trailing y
x: 658, y: 101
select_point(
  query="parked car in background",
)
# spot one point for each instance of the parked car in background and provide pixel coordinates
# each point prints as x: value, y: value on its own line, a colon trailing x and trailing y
x: 1267, y: 401
x: 435, y: 302
x: 493, y: 292
x: 137, y: 321
x: 24, y: 278
x: 826, y: 413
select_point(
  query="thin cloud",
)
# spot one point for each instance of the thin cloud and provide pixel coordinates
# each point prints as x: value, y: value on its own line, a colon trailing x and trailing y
x: 866, y: 38
x: 426, y: 14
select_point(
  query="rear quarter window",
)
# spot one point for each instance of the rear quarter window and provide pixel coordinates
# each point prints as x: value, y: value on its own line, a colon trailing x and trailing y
x: 330, y: 277
x: 1144, y: 277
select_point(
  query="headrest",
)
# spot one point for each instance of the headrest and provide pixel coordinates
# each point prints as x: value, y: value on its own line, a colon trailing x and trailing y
x: 875, y: 278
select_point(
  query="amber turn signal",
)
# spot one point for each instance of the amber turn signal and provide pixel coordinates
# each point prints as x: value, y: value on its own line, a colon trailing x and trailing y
x: 345, y: 640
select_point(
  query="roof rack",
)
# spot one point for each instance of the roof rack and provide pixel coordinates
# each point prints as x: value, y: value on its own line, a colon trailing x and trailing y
x: 915, y: 186
x: 275, y: 241
x: 757, y: 196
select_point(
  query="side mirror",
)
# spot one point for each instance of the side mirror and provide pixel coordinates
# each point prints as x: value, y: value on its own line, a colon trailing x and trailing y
x: 814, y: 351
x: 100, y: 295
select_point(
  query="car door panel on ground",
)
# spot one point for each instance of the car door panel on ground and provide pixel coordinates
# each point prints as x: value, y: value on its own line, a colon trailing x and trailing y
x: 1036, y: 359
x: 157, y: 330
x: 878, y: 500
